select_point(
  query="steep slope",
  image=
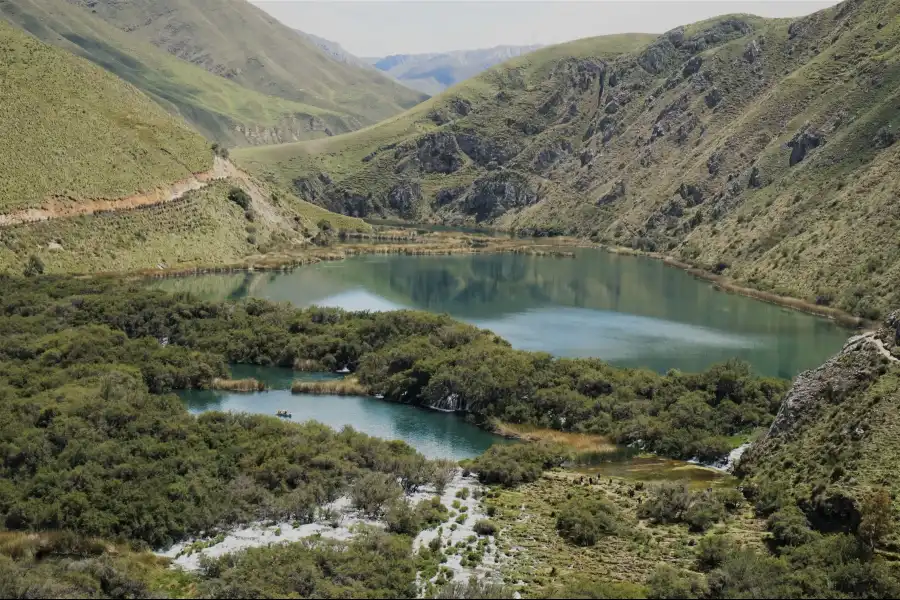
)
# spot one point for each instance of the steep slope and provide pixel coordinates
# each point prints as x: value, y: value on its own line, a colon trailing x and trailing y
x: 759, y: 149
x: 834, y: 441
x: 220, y: 109
x: 98, y: 177
x: 242, y: 43
x: 71, y: 130
x: 434, y: 73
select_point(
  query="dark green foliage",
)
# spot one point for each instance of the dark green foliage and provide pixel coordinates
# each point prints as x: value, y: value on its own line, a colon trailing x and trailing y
x: 669, y: 582
x: 485, y: 527
x: 35, y: 266
x: 789, y: 527
x: 402, y: 518
x: 373, y: 565
x: 675, y: 503
x: 511, y: 465
x: 584, y: 520
x: 712, y: 551
x: 374, y: 492
x: 240, y: 197
x: 431, y: 512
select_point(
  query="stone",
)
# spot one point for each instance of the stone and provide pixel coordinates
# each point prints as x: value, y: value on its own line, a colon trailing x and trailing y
x: 692, y: 66
x: 884, y: 138
x: 438, y: 153
x: 713, y: 98
x: 404, y: 199
x: 803, y: 143
x: 752, y: 52
x: 493, y: 195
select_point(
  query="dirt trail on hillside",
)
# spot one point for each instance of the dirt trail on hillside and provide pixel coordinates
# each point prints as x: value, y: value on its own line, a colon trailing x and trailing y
x: 59, y: 208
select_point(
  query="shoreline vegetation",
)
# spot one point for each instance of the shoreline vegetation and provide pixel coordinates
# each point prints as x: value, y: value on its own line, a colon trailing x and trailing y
x: 238, y: 385
x: 413, y: 243
x: 349, y: 386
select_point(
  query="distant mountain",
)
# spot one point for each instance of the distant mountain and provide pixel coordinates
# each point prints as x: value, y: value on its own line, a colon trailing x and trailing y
x: 433, y: 73
x: 336, y: 51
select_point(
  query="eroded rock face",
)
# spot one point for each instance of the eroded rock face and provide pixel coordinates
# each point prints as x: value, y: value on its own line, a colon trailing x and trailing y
x: 752, y: 52
x: 690, y: 193
x: 438, y: 153
x: 404, y: 199
x: 550, y: 155
x: 803, y: 142
x: 484, y: 151
x: 491, y: 196
x: 713, y: 98
x: 692, y: 66
x: 616, y: 193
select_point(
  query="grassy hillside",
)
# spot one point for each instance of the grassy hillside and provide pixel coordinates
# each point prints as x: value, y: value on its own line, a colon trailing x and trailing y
x: 833, y: 445
x: 760, y: 149
x: 242, y: 43
x: 71, y: 129
x: 218, y: 108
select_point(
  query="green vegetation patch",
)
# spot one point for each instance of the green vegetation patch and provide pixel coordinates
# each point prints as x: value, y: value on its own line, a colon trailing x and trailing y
x: 73, y: 131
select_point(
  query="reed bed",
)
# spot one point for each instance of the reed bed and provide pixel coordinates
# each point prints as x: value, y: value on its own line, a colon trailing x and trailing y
x: 349, y: 386
x: 238, y: 385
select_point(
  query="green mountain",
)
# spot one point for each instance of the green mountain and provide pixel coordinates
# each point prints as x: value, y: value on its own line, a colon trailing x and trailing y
x: 244, y: 44
x: 98, y: 177
x: 220, y: 109
x: 833, y: 443
x: 759, y: 149
x: 75, y: 131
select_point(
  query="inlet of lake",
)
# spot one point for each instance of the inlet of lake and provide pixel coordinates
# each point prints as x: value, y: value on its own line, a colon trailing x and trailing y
x: 630, y: 311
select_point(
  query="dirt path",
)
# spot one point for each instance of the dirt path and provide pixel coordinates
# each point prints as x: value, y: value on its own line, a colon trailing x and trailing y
x: 66, y: 207
x: 869, y: 338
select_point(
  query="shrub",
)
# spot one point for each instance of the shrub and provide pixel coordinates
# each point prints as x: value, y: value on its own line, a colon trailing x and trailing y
x: 669, y: 582
x: 582, y: 521
x: 515, y: 464
x: 442, y: 474
x: 485, y: 527
x: 704, y: 511
x: 401, y: 518
x: 789, y: 527
x: 34, y: 266
x: 713, y: 551
x: 240, y: 197
x: 668, y: 503
x: 373, y: 492
x: 431, y: 512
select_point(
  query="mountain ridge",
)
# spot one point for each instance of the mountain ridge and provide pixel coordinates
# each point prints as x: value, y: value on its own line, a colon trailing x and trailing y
x: 738, y: 145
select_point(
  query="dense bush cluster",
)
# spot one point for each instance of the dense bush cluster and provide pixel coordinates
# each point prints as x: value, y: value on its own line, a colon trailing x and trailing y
x: 372, y: 565
x: 584, y: 520
x: 410, y: 357
x: 511, y: 465
x: 676, y: 503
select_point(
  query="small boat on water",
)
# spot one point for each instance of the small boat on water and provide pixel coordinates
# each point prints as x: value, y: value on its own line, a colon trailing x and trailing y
x: 283, y: 414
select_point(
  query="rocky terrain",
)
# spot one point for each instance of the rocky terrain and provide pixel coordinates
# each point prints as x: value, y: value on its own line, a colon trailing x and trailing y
x: 759, y: 149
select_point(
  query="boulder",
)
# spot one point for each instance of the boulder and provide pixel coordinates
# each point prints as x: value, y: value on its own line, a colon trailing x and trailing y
x: 713, y: 98
x: 438, y: 153
x: 803, y: 143
x: 692, y: 66
x: 884, y: 138
x: 691, y: 194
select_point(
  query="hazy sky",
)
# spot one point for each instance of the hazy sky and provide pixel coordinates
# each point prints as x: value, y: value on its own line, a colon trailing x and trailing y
x: 378, y: 28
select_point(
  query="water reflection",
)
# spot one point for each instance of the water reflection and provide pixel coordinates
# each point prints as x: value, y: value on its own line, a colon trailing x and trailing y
x: 627, y: 310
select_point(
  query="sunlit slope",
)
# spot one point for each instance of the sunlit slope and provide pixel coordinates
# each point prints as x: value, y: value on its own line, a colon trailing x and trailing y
x: 761, y: 149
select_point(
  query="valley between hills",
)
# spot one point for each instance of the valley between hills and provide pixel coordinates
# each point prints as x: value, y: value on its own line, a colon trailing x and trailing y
x: 274, y: 324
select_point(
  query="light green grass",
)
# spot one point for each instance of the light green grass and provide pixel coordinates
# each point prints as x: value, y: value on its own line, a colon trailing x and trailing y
x: 71, y: 129
x: 202, y: 229
x: 214, y: 105
x: 237, y: 40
